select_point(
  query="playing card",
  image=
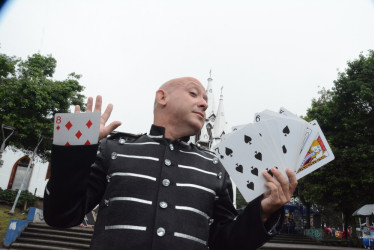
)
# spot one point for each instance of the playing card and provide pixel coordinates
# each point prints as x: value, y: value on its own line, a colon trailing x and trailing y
x: 286, y: 112
x: 244, y: 156
x: 76, y: 129
x: 291, y: 132
x: 271, y: 139
x: 318, y: 154
x: 308, y: 131
x: 233, y: 130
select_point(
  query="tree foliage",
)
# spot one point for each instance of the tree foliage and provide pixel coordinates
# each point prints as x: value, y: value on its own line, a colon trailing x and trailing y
x: 30, y: 97
x: 345, y: 114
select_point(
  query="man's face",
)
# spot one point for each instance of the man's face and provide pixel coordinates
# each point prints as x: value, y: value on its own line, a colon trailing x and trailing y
x: 187, y: 104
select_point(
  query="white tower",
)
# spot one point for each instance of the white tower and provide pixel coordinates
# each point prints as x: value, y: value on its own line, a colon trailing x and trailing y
x: 210, y: 112
x: 215, y: 124
x: 219, y: 127
x: 206, y: 133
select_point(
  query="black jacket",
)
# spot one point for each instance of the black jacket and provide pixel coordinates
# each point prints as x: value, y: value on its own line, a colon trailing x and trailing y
x: 153, y: 194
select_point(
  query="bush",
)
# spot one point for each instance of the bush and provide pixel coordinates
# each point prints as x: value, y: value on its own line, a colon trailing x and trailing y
x: 8, y: 196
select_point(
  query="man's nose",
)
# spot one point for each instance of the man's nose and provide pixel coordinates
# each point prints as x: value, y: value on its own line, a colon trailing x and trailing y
x: 203, y: 104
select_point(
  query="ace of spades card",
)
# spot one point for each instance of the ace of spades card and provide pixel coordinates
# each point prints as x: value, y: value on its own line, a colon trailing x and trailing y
x: 244, y: 156
x: 76, y: 129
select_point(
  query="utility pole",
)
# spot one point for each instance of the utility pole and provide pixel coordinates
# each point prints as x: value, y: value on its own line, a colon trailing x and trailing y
x: 3, y: 126
x: 25, y: 176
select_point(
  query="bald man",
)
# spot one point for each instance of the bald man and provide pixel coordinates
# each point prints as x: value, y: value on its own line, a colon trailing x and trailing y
x: 156, y: 191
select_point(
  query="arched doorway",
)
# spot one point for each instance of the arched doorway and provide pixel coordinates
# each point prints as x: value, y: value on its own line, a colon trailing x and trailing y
x: 18, y: 172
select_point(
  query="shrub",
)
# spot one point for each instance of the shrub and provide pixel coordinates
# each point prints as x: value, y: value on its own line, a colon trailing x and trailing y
x: 8, y: 196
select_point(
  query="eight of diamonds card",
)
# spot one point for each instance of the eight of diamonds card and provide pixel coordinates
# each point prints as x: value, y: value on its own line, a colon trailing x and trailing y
x: 76, y: 129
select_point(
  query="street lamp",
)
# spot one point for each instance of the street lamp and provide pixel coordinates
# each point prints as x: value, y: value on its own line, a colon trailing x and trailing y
x: 25, y: 176
x: 3, y: 126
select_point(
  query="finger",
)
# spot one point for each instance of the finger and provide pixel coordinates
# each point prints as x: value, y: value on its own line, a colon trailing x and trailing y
x: 280, y: 195
x: 98, y: 103
x: 108, y: 129
x: 271, y: 179
x: 89, y: 104
x: 284, y: 183
x: 293, y: 181
x: 105, y: 116
x: 111, y: 127
x: 274, y: 195
x: 273, y: 190
x: 77, y: 109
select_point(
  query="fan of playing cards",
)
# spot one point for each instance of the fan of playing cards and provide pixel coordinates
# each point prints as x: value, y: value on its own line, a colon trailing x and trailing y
x: 282, y: 140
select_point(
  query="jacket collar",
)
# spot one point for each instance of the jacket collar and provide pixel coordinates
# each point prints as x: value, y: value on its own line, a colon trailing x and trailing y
x: 160, y: 131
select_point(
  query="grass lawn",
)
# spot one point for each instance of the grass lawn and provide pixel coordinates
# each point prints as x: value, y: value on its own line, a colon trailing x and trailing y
x: 5, y: 218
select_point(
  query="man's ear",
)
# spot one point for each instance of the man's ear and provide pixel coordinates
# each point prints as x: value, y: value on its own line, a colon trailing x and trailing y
x: 161, y: 97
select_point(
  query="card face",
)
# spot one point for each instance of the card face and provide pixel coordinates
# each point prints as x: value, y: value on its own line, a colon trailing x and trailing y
x: 244, y: 156
x: 282, y: 140
x: 308, y: 131
x: 291, y: 133
x: 76, y: 129
x: 271, y: 139
x: 284, y: 111
x: 318, y: 154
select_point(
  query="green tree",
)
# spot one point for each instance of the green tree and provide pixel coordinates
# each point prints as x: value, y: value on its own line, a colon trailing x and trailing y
x: 345, y: 114
x: 29, y: 98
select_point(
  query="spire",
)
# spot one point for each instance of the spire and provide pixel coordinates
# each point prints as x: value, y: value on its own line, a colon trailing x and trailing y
x: 219, y: 127
x: 209, y: 92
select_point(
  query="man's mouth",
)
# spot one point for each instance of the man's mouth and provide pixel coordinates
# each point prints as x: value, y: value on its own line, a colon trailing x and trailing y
x: 200, y: 113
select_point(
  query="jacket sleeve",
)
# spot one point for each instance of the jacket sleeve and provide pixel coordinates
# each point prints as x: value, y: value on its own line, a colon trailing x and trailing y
x: 246, y: 230
x: 77, y: 183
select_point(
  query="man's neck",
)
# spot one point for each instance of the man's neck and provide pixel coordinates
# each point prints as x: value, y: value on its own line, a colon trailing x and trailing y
x: 173, y: 133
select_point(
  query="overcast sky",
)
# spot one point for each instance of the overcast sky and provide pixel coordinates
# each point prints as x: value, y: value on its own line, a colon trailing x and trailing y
x: 265, y: 53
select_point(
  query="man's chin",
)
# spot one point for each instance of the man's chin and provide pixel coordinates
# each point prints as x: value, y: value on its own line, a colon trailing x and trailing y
x: 196, y: 128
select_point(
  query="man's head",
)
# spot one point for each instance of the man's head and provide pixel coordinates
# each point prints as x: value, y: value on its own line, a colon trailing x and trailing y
x: 180, y: 106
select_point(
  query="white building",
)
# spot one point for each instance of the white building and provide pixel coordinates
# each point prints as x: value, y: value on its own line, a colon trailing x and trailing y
x: 215, y: 125
x: 14, y: 168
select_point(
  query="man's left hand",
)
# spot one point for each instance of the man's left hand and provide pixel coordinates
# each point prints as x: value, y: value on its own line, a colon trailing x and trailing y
x: 280, y: 191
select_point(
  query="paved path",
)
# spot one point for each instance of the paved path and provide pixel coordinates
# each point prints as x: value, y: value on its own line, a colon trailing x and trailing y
x: 305, y: 247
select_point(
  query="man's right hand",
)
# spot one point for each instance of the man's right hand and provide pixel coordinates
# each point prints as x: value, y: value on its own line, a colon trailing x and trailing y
x: 104, y: 130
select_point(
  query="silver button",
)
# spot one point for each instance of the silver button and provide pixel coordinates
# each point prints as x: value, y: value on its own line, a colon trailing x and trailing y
x: 165, y: 182
x: 171, y: 146
x: 114, y: 155
x: 163, y: 204
x: 215, y: 160
x: 211, y: 221
x: 167, y: 162
x: 160, y: 231
x: 216, y: 198
x: 106, y: 202
x: 108, y: 178
x: 219, y: 176
x: 121, y: 141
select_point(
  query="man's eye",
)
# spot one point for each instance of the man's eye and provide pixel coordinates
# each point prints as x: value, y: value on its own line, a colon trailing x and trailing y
x: 193, y: 94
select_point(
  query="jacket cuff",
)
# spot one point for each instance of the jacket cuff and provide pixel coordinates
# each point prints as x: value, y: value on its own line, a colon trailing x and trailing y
x: 274, y: 223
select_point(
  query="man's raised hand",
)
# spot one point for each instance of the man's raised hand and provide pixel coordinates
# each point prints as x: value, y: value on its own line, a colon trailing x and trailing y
x: 104, y: 130
x: 280, y: 191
